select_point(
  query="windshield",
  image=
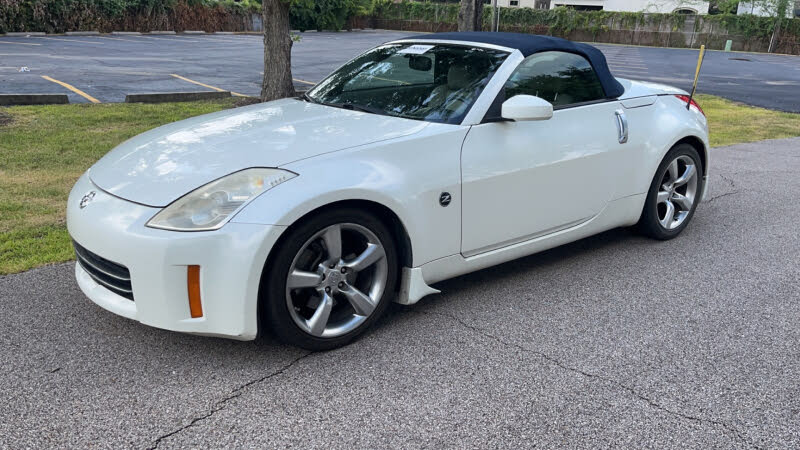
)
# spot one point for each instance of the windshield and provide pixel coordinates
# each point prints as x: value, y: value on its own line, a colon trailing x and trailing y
x: 436, y: 83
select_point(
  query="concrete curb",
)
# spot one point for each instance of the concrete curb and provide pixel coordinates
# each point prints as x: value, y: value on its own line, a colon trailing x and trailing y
x: 82, y: 33
x: 25, y: 33
x: 333, y: 31
x: 193, y: 32
x: 163, y: 97
x: 224, y: 32
x: 33, y: 99
x: 126, y: 33
x: 161, y: 32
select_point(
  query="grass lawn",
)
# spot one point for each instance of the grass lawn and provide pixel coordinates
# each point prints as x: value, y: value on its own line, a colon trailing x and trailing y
x: 733, y: 123
x: 44, y: 149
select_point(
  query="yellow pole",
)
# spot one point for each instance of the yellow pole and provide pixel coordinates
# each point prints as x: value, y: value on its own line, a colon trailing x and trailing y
x: 696, y: 74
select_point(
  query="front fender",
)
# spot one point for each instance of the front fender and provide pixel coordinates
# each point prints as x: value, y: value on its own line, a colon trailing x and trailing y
x: 406, y: 175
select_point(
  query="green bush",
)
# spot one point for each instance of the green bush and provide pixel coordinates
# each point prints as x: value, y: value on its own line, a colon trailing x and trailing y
x: 144, y: 15
x: 562, y: 21
x: 326, y: 14
x: 55, y: 16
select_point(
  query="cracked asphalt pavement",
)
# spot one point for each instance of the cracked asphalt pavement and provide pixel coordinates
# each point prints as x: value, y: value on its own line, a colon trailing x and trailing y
x: 612, y: 341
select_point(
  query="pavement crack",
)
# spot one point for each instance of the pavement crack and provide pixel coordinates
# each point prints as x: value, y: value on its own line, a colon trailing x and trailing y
x: 729, y: 180
x: 220, y: 404
x: 652, y: 403
x: 720, y: 196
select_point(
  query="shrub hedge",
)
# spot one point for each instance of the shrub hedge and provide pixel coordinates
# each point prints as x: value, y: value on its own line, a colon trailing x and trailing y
x: 564, y: 20
x: 56, y: 16
x: 326, y: 14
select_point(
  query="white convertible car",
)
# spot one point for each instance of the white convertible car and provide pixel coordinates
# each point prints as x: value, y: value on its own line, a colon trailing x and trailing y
x: 420, y: 160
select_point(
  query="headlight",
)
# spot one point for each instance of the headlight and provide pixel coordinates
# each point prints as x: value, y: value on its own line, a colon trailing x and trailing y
x: 209, y: 207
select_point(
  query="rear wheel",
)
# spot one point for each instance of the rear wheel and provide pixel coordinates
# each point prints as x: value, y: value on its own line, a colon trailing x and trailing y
x: 331, y: 279
x: 674, y: 194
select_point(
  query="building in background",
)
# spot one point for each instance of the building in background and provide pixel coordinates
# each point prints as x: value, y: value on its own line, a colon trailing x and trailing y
x: 767, y: 9
x: 652, y: 6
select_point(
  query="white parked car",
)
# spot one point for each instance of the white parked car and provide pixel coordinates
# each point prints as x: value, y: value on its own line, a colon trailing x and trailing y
x: 420, y: 160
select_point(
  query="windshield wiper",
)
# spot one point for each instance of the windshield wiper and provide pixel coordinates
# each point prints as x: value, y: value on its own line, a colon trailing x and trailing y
x: 309, y: 98
x: 355, y: 107
x: 361, y: 108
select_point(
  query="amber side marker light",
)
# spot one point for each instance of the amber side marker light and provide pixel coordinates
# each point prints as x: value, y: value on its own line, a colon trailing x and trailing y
x: 193, y: 281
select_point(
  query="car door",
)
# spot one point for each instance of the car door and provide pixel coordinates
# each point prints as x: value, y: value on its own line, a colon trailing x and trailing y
x: 525, y: 179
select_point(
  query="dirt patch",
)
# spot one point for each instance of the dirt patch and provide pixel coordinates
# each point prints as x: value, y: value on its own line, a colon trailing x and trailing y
x: 5, y: 119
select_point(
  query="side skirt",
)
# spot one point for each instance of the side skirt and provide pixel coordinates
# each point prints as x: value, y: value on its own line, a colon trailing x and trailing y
x: 415, y: 281
x: 413, y: 286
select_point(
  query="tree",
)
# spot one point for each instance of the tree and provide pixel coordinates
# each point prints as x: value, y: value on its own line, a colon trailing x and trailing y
x: 470, y: 15
x: 277, y: 82
x: 723, y: 6
x: 305, y: 14
x: 780, y: 10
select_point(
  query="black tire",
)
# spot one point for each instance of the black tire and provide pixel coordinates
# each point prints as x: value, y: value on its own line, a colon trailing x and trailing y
x: 649, y: 223
x: 276, y: 316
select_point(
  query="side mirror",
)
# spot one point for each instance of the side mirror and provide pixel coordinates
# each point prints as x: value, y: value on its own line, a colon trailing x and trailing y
x: 526, y: 107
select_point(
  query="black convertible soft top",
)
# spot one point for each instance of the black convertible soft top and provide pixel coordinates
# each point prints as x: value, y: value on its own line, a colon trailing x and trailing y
x: 529, y: 44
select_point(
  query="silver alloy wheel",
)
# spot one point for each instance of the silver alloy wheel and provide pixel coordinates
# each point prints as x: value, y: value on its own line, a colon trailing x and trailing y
x: 677, y: 192
x: 336, y: 280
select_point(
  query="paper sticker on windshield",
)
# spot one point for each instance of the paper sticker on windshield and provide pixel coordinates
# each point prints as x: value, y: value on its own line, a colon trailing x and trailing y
x: 415, y: 49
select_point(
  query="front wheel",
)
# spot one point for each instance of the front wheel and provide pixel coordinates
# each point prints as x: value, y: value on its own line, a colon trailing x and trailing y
x: 331, y: 279
x: 674, y: 194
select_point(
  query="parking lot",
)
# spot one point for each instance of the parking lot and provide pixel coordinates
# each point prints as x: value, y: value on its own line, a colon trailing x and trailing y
x: 106, y: 68
x: 612, y: 341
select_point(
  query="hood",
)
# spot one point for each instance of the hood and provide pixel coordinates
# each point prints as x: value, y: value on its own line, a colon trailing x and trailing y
x: 157, y: 167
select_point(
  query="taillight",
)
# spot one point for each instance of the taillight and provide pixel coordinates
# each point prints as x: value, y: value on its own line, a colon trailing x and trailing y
x: 685, y: 99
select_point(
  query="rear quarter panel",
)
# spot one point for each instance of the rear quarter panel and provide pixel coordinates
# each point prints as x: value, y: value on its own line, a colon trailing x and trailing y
x: 654, y: 130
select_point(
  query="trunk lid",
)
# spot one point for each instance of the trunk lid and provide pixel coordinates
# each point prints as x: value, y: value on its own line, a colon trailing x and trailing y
x: 635, y: 89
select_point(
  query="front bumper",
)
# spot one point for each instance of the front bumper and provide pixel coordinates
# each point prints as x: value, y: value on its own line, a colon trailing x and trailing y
x: 231, y: 260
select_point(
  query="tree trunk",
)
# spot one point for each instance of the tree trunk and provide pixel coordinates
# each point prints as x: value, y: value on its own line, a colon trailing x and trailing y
x: 277, y: 81
x: 470, y: 15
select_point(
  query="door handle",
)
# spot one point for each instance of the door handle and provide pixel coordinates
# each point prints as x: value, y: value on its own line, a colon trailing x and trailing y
x: 622, y: 126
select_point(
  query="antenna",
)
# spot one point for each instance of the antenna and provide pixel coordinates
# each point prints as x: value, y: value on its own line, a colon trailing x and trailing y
x: 696, y: 74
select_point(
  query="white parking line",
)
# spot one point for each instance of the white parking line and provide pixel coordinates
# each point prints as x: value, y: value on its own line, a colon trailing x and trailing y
x: 16, y: 43
x: 626, y: 66
x: 237, y: 41
x: 115, y: 38
x: 169, y: 38
x: 783, y: 83
x: 68, y: 40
